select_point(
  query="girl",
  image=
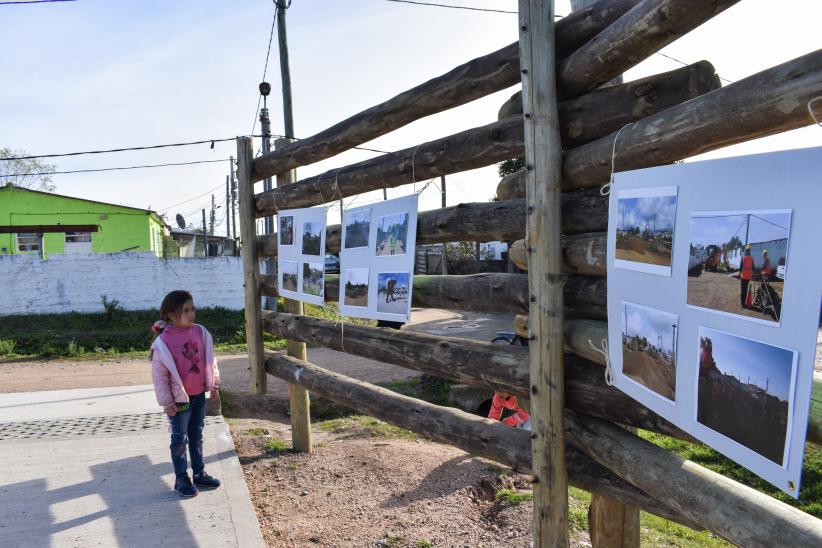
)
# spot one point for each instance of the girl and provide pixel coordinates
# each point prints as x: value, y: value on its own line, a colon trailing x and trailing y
x: 183, y: 368
x: 504, y: 400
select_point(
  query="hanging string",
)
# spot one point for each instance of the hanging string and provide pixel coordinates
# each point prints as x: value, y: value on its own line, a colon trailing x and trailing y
x: 606, y: 188
x: 609, y: 373
x: 810, y: 109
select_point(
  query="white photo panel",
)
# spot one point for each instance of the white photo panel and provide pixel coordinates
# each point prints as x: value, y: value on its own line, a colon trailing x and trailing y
x: 301, y: 254
x: 377, y: 260
x: 746, y: 327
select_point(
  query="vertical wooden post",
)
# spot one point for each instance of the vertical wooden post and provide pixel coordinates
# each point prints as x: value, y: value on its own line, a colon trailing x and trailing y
x: 251, y: 267
x: 543, y: 193
x: 298, y: 398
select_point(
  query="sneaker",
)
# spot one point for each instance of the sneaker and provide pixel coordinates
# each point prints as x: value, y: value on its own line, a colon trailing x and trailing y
x: 204, y: 480
x: 184, y: 487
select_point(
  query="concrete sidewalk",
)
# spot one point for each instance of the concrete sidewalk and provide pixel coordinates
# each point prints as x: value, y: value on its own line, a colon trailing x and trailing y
x: 91, y: 467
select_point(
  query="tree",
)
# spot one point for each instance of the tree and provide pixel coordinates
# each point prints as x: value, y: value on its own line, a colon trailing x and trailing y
x: 25, y: 173
x: 510, y: 166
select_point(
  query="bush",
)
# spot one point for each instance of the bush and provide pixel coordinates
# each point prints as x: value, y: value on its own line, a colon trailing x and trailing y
x: 7, y: 347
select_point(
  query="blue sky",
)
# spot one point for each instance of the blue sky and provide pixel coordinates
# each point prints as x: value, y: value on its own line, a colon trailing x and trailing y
x: 658, y: 211
x: 719, y: 229
x: 648, y: 322
x: 745, y: 358
x: 96, y: 74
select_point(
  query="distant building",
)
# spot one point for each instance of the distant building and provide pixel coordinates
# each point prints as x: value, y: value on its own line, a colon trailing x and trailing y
x: 42, y: 223
x: 192, y: 244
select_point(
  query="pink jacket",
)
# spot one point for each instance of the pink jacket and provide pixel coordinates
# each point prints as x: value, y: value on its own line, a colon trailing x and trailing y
x: 168, y: 386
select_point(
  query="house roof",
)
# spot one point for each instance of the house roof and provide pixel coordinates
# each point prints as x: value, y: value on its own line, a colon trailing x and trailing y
x: 9, y: 185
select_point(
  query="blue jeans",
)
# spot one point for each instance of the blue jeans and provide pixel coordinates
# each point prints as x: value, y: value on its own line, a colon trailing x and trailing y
x: 187, y: 429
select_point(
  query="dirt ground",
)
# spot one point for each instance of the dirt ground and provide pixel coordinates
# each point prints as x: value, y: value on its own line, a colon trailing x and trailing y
x: 654, y: 374
x: 720, y: 291
x: 634, y: 249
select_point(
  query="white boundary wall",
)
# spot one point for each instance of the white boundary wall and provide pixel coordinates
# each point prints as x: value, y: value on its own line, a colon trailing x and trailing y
x: 77, y: 282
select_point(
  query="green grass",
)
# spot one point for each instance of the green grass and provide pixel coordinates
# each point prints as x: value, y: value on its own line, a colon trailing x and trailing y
x: 114, y: 332
x: 276, y: 445
x: 424, y: 544
x: 512, y: 497
x: 257, y: 432
x: 578, y: 502
x: 360, y: 424
x: 810, y: 496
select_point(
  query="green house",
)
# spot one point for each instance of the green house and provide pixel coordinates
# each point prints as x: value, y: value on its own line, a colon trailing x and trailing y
x: 41, y: 222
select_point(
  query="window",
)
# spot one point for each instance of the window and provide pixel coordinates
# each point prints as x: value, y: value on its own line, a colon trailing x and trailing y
x: 78, y: 237
x: 28, y: 242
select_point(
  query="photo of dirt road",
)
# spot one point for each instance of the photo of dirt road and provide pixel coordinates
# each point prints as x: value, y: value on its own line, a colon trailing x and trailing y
x: 744, y: 391
x: 645, y: 231
x: 738, y: 262
x: 649, y: 348
x: 356, y: 286
x: 290, y: 272
x: 392, y: 234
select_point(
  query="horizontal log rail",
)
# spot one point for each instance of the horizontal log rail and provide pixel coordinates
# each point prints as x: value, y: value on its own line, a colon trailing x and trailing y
x: 491, y: 292
x: 583, y: 253
x: 475, y: 363
x: 583, y: 211
x: 642, y: 31
x: 473, y: 434
x: 605, y: 110
x: 769, y: 102
x: 472, y: 80
x: 734, y: 511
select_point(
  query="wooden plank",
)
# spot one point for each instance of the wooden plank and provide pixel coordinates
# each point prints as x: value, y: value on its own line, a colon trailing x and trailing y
x: 475, y: 363
x: 251, y: 267
x: 582, y: 253
x: 299, y: 401
x: 733, y: 511
x: 770, y: 102
x: 642, y: 31
x: 582, y: 211
x: 543, y: 150
x: 472, y: 80
x: 607, y: 109
x: 471, y: 433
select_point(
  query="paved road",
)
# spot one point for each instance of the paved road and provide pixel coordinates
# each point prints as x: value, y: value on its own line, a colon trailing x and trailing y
x: 90, y: 467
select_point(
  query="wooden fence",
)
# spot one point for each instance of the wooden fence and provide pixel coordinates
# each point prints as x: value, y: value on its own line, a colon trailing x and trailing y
x: 659, y: 120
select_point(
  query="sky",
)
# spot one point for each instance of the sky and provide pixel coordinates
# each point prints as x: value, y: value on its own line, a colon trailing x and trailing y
x: 96, y: 74
x: 745, y: 358
x: 764, y: 227
x: 655, y: 211
x: 648, y: 323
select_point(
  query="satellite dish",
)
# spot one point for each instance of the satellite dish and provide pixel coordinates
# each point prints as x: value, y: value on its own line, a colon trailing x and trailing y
x: 181, y: 222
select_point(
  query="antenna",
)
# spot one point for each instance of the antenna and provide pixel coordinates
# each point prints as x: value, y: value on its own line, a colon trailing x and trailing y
x: 181, y: 222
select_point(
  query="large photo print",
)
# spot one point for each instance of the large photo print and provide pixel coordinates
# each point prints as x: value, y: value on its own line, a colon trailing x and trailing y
x: 649, y: 348
x: 738, y: 262
x: 393, y: 289
x: 745, y: 391
x: 645, y: 230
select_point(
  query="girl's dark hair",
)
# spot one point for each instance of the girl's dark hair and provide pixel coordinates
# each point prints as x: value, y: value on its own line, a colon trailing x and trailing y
x: 173, y: 304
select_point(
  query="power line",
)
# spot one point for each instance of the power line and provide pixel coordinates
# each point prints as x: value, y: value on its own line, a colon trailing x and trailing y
x: 112, y: 168
x: 265, y: 68
x: 684, y: 64
x: 34, y: 2
x: 192, y: 199
x: 450, y: 6
x: 149, y: 147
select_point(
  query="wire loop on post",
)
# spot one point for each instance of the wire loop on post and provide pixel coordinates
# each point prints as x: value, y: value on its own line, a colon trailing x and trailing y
x: 605, y: 189
x: 609, y: 373
x: 810, y: 109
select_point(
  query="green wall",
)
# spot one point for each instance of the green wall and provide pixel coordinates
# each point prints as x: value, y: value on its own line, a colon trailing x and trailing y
x: 119, y: 228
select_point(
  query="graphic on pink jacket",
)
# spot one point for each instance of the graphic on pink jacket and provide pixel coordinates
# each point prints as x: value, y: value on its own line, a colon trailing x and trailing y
x: 519, y: 417
x: 168, y: 381
x: 186, y: 346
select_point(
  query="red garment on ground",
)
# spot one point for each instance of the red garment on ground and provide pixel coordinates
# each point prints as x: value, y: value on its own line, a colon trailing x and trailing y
x: 187, y: 349
x: 498, y: 404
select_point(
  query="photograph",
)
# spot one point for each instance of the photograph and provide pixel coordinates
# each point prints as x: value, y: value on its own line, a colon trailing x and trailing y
x: 645, y: 229
x: 357, y: 225
x: 392, y: 292
x: 313, y: 281
x: 287, y: 230
x: 356, y: 286
x: 649, y: 348
x: 392, y: 234
x: 290, y: 271
x: 737, y: 262
x: 312, y: 237
x: 744, y: 391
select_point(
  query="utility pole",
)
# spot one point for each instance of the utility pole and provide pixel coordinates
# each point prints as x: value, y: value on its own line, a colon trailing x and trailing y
x: 445, y: 244
x: 212, y: 220
x: 268, y: 222
x: 227, y: 207
x: 205, y: 236
x: 233, y: 201
x: 285, y: 71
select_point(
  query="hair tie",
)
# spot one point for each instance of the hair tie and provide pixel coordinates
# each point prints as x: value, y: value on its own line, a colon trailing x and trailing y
x: 159, y: 325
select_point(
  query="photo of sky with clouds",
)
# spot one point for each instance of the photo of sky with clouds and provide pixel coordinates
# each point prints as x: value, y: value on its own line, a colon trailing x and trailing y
x: 718, y: 229
x: 649, y: 323
x: 659, y: 211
